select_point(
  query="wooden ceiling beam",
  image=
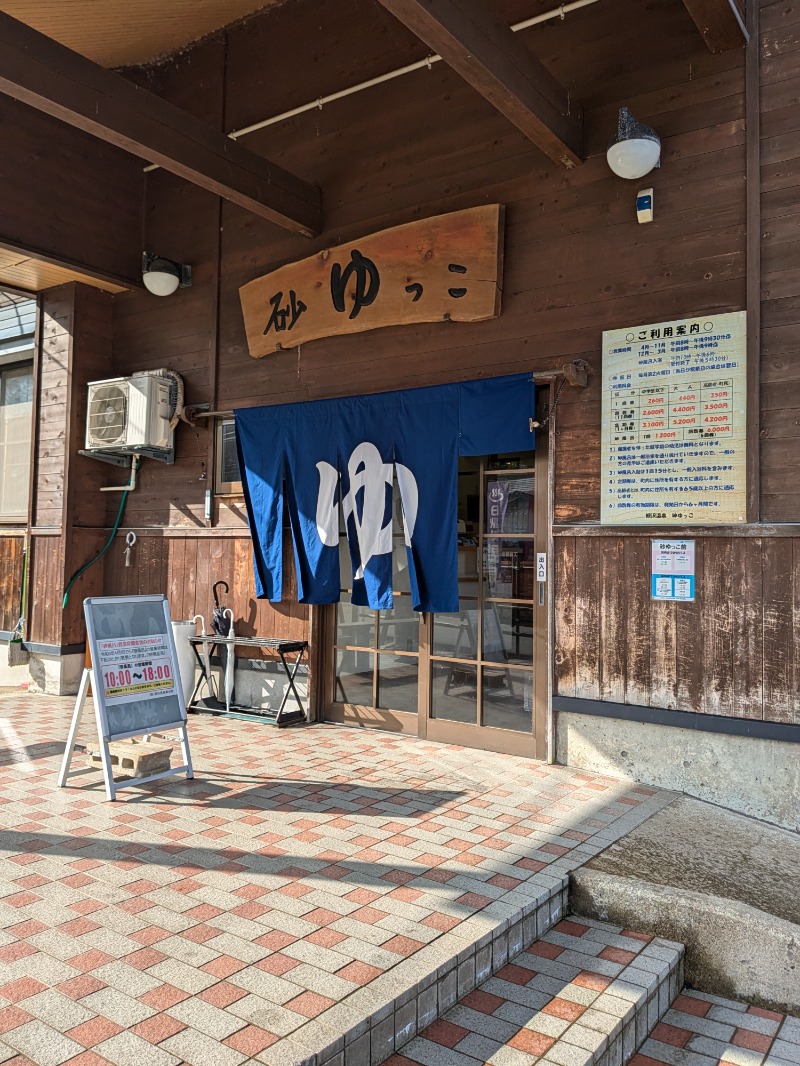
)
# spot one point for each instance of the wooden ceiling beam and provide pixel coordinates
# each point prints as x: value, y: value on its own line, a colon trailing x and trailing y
x: 44, y: 74
x: 721, y: 23
x: 496, y: 63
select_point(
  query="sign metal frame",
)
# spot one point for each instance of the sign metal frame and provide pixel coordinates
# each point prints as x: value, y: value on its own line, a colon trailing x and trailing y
x: 104, y: 714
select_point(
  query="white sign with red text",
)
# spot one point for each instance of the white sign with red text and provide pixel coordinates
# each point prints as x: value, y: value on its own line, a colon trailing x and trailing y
x: 133, y: 667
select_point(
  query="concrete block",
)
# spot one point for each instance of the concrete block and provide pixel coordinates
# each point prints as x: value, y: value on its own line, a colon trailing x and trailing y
x: 448, y: 992
x: 405, y: 1023
x: 732, y: 949
x: 466, y: 977
x: 427, y: 1008
x: 134, y: 758
x: 483, y: 964
x: 13, y: 669
x: 357, y: 1053
x: 55, y: 675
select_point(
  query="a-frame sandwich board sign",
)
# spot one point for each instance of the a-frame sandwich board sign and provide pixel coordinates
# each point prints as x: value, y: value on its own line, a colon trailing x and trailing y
x: 136, y: 687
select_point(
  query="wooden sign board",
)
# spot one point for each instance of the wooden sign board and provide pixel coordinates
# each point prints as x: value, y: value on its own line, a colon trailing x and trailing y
x: 447, y: 267
x: 135, y: 683
x: 674, y: 423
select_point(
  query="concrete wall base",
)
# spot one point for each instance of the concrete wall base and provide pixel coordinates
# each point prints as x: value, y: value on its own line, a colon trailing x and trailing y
x: 55, y: 675
x: 13, y: 665
x: 732, y: 949
x: 757, y: 777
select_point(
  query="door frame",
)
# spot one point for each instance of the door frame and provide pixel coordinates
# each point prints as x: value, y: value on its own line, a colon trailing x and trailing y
x: 537, y: 745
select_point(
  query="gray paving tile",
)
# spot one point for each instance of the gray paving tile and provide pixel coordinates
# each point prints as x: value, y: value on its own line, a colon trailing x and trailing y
x: 42, y: 1044
x: 113, y: 1004
x: 197, y: 1049
x: 57, y: 1010
x: 127, y: 1049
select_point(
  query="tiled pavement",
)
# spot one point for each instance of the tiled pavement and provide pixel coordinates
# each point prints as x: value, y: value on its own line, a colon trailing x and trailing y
x: 277, y: 901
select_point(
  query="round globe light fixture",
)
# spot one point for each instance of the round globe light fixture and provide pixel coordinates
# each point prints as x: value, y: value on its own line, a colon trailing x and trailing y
x: 636, y: 148
x: 163, y: 276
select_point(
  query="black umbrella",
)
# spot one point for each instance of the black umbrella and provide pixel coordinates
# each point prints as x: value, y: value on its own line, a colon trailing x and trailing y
x: 220, y: 623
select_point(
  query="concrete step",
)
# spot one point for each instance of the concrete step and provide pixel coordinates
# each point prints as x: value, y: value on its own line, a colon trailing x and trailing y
x: 584, y: 994
x: 372, y: 1022
x: 700, y: 1030
x: 722, y: 884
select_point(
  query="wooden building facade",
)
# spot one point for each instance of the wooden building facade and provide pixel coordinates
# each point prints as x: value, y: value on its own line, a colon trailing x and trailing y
x: 629, y: 684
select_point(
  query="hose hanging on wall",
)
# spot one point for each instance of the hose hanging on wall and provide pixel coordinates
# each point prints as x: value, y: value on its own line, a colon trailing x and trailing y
x: 16, y: 636
x: 99, y: 555
x: 18, y: 654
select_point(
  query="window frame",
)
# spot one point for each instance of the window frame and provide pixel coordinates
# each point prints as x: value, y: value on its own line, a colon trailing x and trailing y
x: 14, y: 361
x: 223, y: 488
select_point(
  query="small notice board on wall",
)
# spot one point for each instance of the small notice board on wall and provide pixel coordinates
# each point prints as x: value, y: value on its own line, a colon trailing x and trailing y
x: 134, y: 678
x: 673, y: 570
x: 674, y: 422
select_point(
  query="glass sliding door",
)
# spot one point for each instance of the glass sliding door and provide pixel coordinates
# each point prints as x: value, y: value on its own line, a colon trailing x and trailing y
x: 483, y: 667
x: 375, y: 661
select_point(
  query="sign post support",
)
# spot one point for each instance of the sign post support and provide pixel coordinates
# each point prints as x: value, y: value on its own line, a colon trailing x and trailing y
x: 135, y: 683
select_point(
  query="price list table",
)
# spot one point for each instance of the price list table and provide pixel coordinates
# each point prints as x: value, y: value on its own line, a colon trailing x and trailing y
x: 683, y: 411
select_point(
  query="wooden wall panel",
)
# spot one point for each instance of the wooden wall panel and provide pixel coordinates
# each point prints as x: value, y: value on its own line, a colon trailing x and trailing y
x: 733, y: 652
x: 184, y: 568
x: 47, y: 588
x: 180, y: 332
x: 68, y: 509
x: 780, y: 207
x: 11, y: 549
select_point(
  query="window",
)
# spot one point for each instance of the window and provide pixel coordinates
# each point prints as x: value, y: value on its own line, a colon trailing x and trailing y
x: 16, y: 405
x: 17, y: 324
x: 227, y: 479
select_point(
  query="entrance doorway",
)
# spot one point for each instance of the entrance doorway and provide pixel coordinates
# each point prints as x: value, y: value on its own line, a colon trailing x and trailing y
x: 478, y: 677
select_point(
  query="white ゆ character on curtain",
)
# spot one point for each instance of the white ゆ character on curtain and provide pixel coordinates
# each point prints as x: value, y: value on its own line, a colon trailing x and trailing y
x: 366, y: 470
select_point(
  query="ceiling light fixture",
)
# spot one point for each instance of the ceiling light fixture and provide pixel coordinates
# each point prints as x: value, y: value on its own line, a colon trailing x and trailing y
x: 163, y: 276
x: 636, y: 148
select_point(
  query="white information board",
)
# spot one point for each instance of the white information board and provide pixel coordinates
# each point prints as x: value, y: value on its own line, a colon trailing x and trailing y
x: 673, y: 570
x: 134, y: 678
x: 674, y: 422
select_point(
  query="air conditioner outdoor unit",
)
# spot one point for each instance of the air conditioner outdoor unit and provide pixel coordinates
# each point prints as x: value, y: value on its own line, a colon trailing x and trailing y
x: 132, y: 414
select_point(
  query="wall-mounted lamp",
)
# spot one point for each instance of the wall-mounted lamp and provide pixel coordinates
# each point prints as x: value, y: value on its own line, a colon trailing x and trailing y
x: 635, y: 149
x: 163, y: 276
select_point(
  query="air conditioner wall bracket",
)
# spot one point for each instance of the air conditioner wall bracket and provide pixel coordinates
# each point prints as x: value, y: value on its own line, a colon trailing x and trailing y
x: 121, y: 456
x: 105, y: 457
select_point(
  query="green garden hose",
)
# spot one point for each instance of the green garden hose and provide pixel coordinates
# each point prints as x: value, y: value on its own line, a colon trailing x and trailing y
x: 17, y: 635
x: 99, y: 555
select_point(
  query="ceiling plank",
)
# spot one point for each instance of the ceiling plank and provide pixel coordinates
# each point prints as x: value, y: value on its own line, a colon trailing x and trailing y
x: 720, y: 22
x: 44, y: 74
x: 495, y: 62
